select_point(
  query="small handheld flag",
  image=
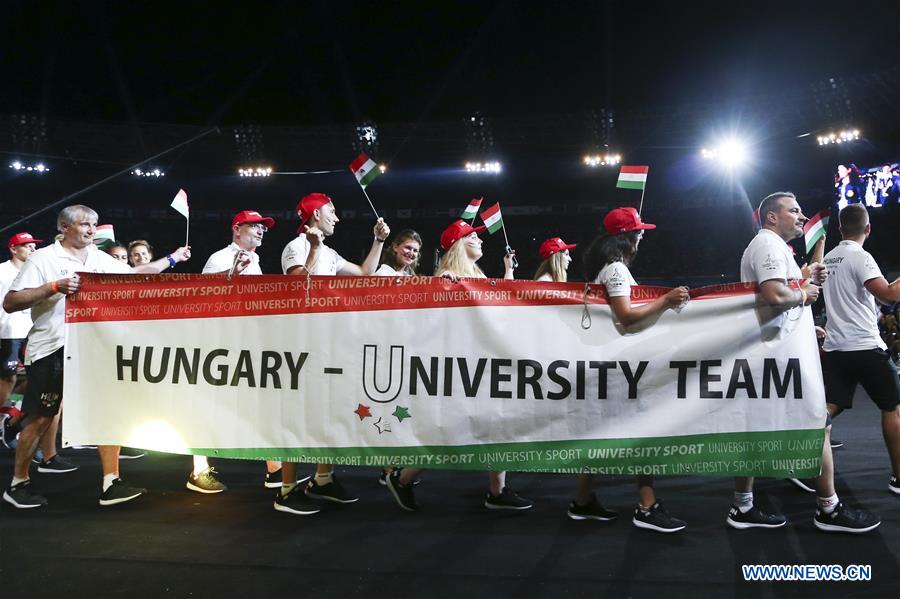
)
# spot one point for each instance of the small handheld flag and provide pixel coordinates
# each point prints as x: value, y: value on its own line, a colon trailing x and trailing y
x: 472, y: 209
x: 104, y: 236
x: 492, y: 218
x: 634, y: 177
x: 365, y: 170
x: 814, y: 229
x: 180, y: 204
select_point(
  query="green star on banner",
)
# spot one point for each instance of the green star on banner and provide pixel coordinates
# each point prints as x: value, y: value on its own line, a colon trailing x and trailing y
x: 401, y: 413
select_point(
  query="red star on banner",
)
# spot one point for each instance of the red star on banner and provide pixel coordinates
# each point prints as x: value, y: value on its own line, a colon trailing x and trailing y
x: 363, y: 412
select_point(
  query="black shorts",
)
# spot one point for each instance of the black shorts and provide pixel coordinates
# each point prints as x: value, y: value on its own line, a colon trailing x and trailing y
x: 12, y: 352
x: 45, y: 385
x: 872, y: 368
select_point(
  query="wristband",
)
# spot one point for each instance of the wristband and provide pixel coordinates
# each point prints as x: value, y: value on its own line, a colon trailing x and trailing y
x: 171, y: 260
x: 379, y: 240
x: 54, y: 287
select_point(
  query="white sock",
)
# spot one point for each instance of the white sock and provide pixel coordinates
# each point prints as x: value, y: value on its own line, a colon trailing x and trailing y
x: 324, y: 479
x: 287, y: 488
x: 16, y: 481
x: 743, y: 501
x: 108, y: 480
x: 827, y: 504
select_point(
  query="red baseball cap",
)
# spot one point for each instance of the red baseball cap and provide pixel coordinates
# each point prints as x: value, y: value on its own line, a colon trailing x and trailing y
x: 553, y: 245
x: 310, y: 203
x: 21, y: 239
x: 623, y: 220
x: 457, y: 231
x: 252, y: 216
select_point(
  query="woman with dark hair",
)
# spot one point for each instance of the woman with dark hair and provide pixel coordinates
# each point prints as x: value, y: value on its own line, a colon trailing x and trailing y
x: 846, y: 185
x: 401, y: 257
x: 117, y: 251
x: 606, y: 263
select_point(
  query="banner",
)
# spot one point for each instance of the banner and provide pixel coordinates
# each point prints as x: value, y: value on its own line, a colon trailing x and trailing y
x: 419, y: 371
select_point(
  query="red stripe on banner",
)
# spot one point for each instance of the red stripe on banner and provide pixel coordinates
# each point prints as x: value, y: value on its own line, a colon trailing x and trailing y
x: 489, y: 212
x: 360, y: 160
x: 104, y: 298
x: 635, y: 170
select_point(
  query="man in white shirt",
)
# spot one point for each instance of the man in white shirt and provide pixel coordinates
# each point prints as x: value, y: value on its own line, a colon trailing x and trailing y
x: 237, y: 258
x: 854, y: 352
x: 308, y: 255
x: 769, y: 262
x: 46, y: 278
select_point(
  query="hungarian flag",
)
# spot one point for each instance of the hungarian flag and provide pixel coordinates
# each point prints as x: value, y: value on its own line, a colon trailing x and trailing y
x: 814, y: 229
x: 364, y: 169
x: 180, y: 203
x: 633, y: 177
x: 104, y: 233
x: 472, y: 209
x: 492, y: 218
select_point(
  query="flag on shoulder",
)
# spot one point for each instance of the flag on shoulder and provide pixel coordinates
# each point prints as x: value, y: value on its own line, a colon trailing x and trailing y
x: 633, y: 177
x: 472, y: 209
x: 364, y: 169
x: 815, y: 228
x: 492, y: 218
x: 180, y: 203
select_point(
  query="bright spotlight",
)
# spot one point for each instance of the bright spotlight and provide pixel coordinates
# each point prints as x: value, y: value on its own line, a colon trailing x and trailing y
x: 257, y: 171
x: 731, y: 153
x: 154, y: 173
x: 839, y: 137
x: 484, y: 167
x: 382, y: 168
x: 595, y: 160
x: 40, y: 167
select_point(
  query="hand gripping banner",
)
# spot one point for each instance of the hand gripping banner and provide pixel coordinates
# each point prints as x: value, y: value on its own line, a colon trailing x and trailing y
x: 480, y: 374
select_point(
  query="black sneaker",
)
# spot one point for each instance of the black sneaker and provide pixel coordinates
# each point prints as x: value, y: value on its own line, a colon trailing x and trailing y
x: 835, y: 444
x: 894, y: 485
x: 402, y: 493
x: 119, y: 492
x: 845, y: 519
x: 56, y: 465
x: 130, y: 453
x: 507, y: 500
x: 295, y: 502
x: 273, y: 479
x: 803, y: 485
x: 333, y: 491
x: 753, y: 518
x: 591, y: 511
x: 205, y: 482
x: 382, y: 478
x: 657, y: 518
x: 23, y: 496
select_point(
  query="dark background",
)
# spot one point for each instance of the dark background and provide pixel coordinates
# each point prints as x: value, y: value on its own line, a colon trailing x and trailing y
x: 92, y: 89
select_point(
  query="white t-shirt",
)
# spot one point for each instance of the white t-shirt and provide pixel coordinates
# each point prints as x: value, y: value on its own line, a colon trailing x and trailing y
x: 223, y: 260
x: 50, y: 264
x: 852, y: 313
x: 769, y: 257
x: 545, y: 278
x: 328, y: 261
x: 617, y: 279
x: 17, y: 324
x: 386, y: 271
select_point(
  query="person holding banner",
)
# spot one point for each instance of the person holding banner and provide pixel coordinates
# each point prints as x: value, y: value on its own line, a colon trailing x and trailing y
x: 769, y: 263
x: 606, y: 263
x: 47, y: 277
x: 308, y: 255
x: 140, y: 252
x: 854, y: 352
x: 462, y: 245
x: 555, y: 253
x: 239, y: 257
x: 401, y: 257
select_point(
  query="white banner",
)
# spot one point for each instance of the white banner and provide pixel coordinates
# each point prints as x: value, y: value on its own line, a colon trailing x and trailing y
x: 480, y: 374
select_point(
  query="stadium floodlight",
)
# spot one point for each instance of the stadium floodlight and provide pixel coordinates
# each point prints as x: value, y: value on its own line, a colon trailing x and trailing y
x: 382, y: 168
x: 595, y: 160
x: 843, y: 136
x: 154, y: 172
x: 731, y: 153
x: 39, y: 168
x: 257, y: 171
x: 491, y: 168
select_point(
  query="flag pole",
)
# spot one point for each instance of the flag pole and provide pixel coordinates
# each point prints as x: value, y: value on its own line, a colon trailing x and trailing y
x: 187, y: 228
x: 370, y: 201
x: 643, y: 189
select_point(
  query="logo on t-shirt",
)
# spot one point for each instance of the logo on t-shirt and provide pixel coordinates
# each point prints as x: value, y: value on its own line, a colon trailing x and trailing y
x: 769, y: 263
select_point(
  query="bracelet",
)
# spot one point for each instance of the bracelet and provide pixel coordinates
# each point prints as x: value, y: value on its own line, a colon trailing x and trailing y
x: 379, y: 240
x: 804, y: 297
x: 54, y: 286
x: 171, y: 260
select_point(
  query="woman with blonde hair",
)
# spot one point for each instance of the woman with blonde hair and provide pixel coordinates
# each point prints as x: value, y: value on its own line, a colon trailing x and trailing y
x: 140, y: 252
x: 462, y: 245
x: 555, y: 253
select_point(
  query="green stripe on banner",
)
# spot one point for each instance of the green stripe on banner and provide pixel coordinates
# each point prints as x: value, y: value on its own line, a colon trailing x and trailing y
x: 631, y: 184
x: 778, y: 454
